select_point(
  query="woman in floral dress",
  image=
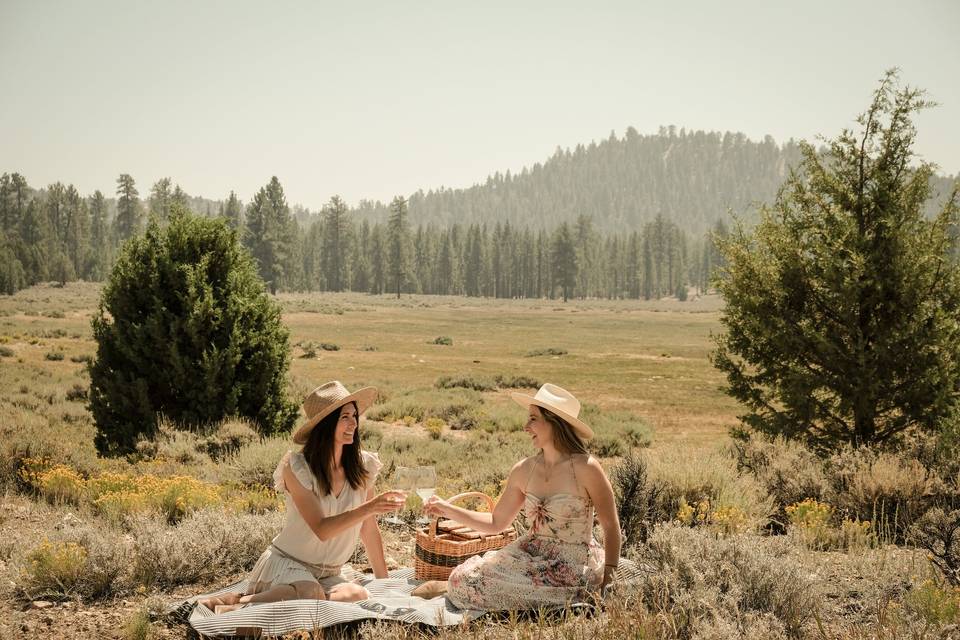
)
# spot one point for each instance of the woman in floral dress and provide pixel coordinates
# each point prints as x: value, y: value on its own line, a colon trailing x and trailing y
x: 560, y: 490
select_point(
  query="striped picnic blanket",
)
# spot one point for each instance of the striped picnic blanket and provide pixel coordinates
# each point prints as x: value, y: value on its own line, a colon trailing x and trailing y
x: 390, y: 599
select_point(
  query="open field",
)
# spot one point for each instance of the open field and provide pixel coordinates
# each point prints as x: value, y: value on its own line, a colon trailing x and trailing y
x: 642, y: 368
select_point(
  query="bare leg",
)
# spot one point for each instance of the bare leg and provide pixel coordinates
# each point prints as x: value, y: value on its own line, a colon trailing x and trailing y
x: 348, y: 592
x: 297, y: 591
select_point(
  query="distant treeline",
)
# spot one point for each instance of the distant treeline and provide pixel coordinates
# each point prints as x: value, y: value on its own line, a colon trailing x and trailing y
x: 57, y: 234
x: 624, y: 217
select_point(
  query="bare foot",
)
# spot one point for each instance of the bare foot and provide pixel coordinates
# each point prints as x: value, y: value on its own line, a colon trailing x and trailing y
x: 430, y: 589
x: 223, y: 599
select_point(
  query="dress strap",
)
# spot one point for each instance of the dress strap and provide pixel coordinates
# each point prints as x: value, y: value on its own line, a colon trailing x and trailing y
x: 536, y: 461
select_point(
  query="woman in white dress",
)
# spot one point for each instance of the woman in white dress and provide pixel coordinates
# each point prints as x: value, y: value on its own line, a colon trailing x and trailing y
x: 330, y: 503
x: 560, y: 490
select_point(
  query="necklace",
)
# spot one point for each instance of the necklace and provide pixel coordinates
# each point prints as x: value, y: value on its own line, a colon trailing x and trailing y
x: 548, y: 471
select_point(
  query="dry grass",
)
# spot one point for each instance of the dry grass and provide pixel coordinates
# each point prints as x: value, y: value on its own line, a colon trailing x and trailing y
x: 650, y: 392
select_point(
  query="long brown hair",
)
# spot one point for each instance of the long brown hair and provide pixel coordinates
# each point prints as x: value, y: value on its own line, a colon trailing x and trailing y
x: 565, y: 439
x: 318, y: 452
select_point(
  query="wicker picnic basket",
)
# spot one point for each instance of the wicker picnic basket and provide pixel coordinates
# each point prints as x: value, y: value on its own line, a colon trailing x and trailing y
x: 444, y: 544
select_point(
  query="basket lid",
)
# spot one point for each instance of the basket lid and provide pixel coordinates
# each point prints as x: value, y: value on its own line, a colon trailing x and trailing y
x: 454, y: 528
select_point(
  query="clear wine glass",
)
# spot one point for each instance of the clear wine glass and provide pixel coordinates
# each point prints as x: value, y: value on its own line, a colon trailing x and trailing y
x: 426, y: 486
x: 404, y: 479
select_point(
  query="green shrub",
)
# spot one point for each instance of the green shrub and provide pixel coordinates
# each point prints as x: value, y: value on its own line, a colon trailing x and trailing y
x: 708, y: 481
x: 933, y: 603
x: 434, y: 427
x: 6, y: 352
x: 466, y: 382
x: 884, y: 488
x: 419, y: 405
x: 938, y: 532
x: 446, y: 341
x: 699, y: 579
x: 86, y: 561
x: 253, y: 464
x: 229, y: 436
x: 208, y: 544
x: 640, y: 503
x: 55, y: 356
x: 62, y: 485
x: 77, y: 393
x: 84, y: 358
x: 549, y: 351
x: 606, y: 446
x: 185, y: 328
x: 786, y: 469
x: 329, y: 346
x: 138, y: 626
x: 516, y: 382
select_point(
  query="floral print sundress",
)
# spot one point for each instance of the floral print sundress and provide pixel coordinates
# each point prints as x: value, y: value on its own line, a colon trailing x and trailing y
x: 556, y: 562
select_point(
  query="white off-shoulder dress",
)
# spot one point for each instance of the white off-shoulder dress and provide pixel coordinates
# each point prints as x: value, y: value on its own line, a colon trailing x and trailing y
x: 296, y: 553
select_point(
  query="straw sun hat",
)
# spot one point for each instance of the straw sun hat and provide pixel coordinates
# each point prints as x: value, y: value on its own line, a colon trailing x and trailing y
x: 559, y: 401
x: 326, y: 399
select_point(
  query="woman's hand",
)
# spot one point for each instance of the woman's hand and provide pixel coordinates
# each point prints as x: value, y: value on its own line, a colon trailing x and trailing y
x: 436, y: 507
x: 386, y: 502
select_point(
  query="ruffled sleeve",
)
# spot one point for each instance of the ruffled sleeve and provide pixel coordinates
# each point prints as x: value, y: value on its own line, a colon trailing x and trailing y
x: 372, y: 464
x: 298, y: 464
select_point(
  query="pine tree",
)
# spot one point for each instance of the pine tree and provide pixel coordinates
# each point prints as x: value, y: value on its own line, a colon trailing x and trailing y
x: 335, y: 244
x: 268, y: 232
x: 186, y: 330
x: 563, y: 257
x: 842, y: 304
x: 233, y: 211
x: 398, y: 241
x: 161, y: 200
x: 100, y: 255
x: 129, y: 214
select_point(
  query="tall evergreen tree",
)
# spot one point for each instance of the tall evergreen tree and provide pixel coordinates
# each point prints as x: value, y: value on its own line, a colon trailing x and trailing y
x: 233, y: 211
x: 268, y: 232
x: 129, y: 216
x: 336, y: 244
x: 564, y: 260
x: 161, y: 200
x: 398, y: 240
x: 842, y: 304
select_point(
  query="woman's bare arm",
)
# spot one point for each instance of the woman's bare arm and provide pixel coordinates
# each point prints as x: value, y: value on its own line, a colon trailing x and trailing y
x: 595, y: 481
x: 326, y: 527
x: 373, y: 542
x: 505, y: 511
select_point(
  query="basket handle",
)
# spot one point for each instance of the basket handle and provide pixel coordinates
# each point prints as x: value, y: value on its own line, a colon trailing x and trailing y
x: 461, y: 496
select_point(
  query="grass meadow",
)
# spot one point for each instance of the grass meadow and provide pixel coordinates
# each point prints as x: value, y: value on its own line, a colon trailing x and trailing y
x: 106, y: 542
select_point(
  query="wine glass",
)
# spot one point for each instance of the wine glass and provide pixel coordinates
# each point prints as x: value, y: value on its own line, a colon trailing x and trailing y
x: 404, y: 479
x: 426, y: 486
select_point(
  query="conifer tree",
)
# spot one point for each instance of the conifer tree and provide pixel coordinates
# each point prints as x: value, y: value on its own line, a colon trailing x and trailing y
x: 161, y: 199
x: 186, y: 330
x: 842, y: 304
x: 129, y: 211
x: 563, y: 257
x: 398, y: 240
x: 233, y: 211
x: 268, y: 232
x: 335, y: 244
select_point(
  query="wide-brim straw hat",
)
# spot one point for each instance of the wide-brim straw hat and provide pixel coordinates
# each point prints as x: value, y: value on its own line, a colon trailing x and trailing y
x: 326, y: 399
x: 559, y: 401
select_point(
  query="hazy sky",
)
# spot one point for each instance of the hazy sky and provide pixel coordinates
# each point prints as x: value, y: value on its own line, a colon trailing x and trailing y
x: 369, y: 100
